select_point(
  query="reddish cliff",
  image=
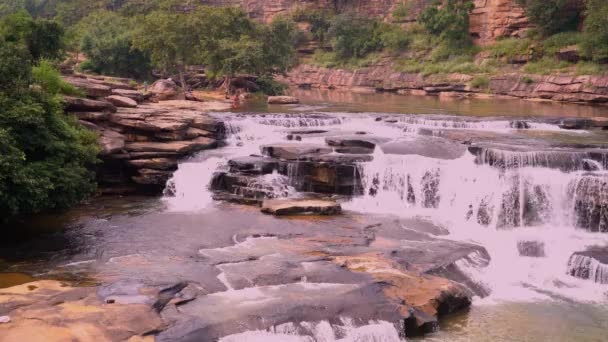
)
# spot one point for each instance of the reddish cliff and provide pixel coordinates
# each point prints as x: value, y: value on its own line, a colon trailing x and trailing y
x: 489, y: 20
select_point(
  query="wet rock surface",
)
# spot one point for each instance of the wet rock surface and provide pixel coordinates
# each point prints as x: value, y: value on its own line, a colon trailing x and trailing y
x: 591, y: 264
x: 300, y: 206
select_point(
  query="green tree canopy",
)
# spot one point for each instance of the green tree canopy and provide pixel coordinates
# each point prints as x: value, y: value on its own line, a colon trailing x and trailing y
x: 595, y: 42
x: 449, y: 20
x: 44, y: 155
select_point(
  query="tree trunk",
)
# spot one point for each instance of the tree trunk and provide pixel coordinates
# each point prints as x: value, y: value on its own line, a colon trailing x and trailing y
x: 182, y: 80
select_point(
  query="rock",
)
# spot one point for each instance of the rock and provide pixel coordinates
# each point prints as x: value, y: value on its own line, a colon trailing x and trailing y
x: 426, y: 146
x: 575, y: 124
x: 152, y: 177
x: 190, y: 96
x: 354, y: 141
x: 253, y: 164
x: 354, y: 150
x: 283, y: 100
x: 569, y: 54
x: 76, y: 104
x: 164, y: 89
x: 121, y: 101
x: 132, y: 94
x: 519, y: 124
x: 92, y: 116
x: 535, y: 249
x: 5, y: 319
x: 591, y: 264
x: 286, y: 207
x: 154, y: 163
x: 293, y: 151
x: 180, y: 147
x: 91, y: 89
x: 51, y: 311
x: 111, y: 142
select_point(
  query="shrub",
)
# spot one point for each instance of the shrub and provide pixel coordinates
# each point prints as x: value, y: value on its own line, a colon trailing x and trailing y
x: 480, y: 82
x: 591, y: 68
x: 527, y: 79
x: 554, y: 43
x: 595, y: 40
x: 551, y: 16
x: 402, y: 10
x: 448, y: 20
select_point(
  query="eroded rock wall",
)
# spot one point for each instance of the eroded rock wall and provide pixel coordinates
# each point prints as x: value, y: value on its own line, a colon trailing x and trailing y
x: 489, y: 20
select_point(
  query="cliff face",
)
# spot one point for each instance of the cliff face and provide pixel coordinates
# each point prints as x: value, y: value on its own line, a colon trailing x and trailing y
x: 489, y: 20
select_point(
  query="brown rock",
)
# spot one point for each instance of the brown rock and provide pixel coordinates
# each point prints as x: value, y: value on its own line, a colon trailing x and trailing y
x: 132, y: 94
x: 77, y: 104
x: 283, y: 100
x: 164, y: 89
x: 180, y: 147
x: 121, y: 101
x: 92, y: 89
x: 154, y: 163
x: 283, y: 207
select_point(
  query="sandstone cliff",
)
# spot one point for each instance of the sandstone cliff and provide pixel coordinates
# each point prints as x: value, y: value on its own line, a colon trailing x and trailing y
x: 489, y: 20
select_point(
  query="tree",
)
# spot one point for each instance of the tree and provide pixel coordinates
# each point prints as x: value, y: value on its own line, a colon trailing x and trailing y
x: 595, y: 31
x: 171, y: 38
x: 353, y: 36
x: 552, y: 16
x: 107, y: 40
x: 43, y: 38
x: 45, y: 156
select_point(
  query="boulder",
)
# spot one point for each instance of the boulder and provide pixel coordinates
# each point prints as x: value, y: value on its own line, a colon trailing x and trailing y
x: 121, y: 101
x: 92, y: 116
x: 111, y: 142
x: 77, y: 104
x: 569, y: 54
x: 283, y: 100
x: 253, y: 165
x: 164, y: 89
x: 286, y: 207
x: 591, y: 264
x: 294, y: 151
x: 152, y: 177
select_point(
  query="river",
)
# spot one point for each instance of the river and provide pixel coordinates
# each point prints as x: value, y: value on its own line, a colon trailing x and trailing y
x: 478, y: 175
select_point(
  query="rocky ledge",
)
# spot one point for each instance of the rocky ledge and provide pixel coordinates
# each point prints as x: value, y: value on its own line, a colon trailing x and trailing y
x: 141, y: 138
x: 571, y: 89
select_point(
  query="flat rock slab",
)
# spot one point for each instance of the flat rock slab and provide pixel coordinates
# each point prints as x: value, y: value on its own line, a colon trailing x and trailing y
x: 76, y: 104
x: 283, y: 100
x: 294, y: 151
x: 121, y: 101
x: 430, y: 147
x: 285, y: 207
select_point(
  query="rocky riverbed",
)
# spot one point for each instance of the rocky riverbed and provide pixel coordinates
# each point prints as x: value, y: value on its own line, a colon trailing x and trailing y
x: 314, y: 224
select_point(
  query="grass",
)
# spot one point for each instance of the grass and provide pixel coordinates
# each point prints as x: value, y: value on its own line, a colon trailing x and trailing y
x: 546, y: 65
x: 480, y: 82
x: 591, y: 68
x: 556, y: 42
x: 330, y: 60
x: 510, y: 48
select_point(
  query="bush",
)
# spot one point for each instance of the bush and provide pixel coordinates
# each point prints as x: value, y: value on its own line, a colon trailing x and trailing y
x: 319, y: 20
x: 591, y: 68
x: 551, y: 16
x: 554, y: 43
x: 271, y: 87
x: 448, y: 20
x: 402, y: 10
x: 595, y: 40
x: 480, y: 82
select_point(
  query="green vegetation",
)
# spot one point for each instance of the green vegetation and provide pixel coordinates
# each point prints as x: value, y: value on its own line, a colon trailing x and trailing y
x: 106, y: 38
x: 480, y: 81
x: 45, y: 156
x: 402, y: 11
x: 448, y: 20
x: 552, y: 16
x: 595, y: 42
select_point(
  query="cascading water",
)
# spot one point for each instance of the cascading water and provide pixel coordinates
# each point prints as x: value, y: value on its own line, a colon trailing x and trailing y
x: 530, y: 209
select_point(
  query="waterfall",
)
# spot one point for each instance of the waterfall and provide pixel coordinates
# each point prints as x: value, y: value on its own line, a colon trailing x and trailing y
x: 587, y: 267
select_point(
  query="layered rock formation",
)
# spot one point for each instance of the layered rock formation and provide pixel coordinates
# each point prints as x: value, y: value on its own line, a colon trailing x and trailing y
x: 141, y: 142
x: 572, y: 89
x: 490, y: 19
